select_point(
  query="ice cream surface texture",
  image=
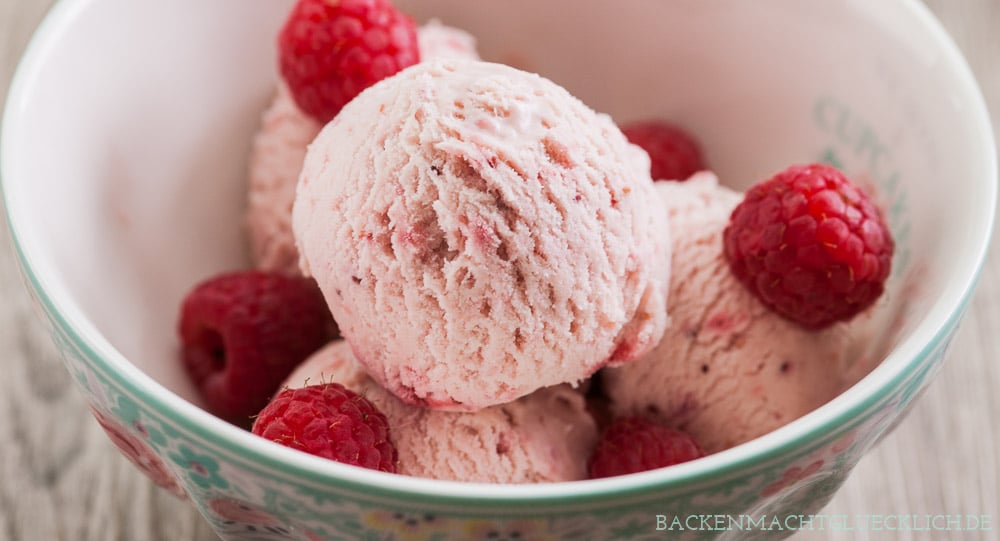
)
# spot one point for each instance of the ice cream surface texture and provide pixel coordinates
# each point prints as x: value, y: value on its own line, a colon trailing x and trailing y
x: 280, y: 146
x: 543, y: 437
x: 727, y: 369
x: 480, y: 233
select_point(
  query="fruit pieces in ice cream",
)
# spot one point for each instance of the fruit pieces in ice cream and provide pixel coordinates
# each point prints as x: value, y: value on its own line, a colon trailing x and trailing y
x: 479, y: 233
x: 727, y: 369
x: 280, y: 146
x: 543, y: 437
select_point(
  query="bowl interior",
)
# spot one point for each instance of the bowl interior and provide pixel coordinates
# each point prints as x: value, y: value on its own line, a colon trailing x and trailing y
x: 124, y: 146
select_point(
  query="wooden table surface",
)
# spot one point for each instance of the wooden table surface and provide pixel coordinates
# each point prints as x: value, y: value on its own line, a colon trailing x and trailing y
x: 61, y: 479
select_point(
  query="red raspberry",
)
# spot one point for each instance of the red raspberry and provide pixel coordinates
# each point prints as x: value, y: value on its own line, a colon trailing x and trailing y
x: 810, y: 245
x: 674, y: 153
x: 635, y: 444
x: 243, y: 333
x: 330, y: 50
x: 329, y: 421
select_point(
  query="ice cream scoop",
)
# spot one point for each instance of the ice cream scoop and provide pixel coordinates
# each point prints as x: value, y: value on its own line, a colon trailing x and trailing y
x: 546, y: 436
x: 480, y: 233
x: 727, y: 369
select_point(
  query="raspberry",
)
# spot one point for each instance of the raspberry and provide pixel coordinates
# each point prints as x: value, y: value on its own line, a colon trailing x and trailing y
x: 329, y: 421
x: 242, y: 334
x: 810, y: 245
x: 674, y: 153
x: 635, y: 444
x: 329, y: 51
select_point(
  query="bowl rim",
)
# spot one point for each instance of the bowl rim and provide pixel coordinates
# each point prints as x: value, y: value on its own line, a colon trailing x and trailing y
x: 931, y: 333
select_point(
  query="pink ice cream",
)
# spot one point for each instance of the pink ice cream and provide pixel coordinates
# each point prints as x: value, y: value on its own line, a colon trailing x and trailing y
x: 275, y: 163
x: 280, y: 146
x: 480, y: 233
x: 727, y: 369
x: 546, y: 436
x: 436, y: 40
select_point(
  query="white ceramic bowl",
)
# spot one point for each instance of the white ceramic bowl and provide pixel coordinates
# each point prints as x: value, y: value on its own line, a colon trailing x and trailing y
x: 123, y: 157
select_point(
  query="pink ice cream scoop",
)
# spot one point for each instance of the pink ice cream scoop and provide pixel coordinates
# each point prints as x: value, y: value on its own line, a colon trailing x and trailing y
x: 479, y: 233
x: 280, y: 146
x: 543, y: 437
x: 727, y: 369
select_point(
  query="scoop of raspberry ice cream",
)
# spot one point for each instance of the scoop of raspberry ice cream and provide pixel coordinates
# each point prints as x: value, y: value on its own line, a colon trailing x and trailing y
x: 546, y: 436
x: 727, y: 369
x: 479, y: 233
x: 280, y: 146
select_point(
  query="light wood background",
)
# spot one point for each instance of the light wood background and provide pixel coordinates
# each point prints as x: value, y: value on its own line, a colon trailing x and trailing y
x: 61, y: 479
